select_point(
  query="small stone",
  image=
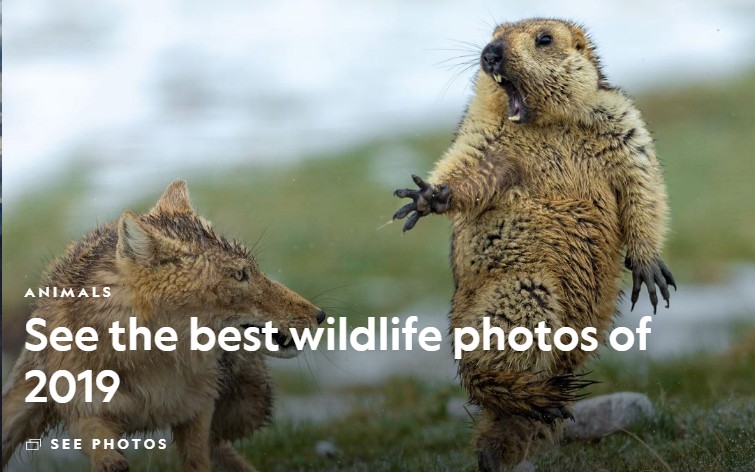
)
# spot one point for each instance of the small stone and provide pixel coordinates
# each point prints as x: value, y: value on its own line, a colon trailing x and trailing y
x: 326, y: 449
x: 525, y: 466
x: 599, y: 416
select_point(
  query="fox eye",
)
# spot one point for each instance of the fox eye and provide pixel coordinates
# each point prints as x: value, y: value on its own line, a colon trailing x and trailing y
x: 241, y: 275
x: 544, y: 39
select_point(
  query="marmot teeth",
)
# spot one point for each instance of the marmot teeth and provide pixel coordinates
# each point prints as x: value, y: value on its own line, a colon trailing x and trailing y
x: 498, y: 78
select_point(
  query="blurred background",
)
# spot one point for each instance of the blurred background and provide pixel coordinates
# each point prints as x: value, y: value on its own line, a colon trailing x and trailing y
x: 293, y: 121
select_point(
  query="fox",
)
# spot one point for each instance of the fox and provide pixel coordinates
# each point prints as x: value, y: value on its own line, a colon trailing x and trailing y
x: 162, y: 267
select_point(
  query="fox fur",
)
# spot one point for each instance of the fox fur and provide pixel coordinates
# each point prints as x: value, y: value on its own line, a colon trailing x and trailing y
x: 163, y: 267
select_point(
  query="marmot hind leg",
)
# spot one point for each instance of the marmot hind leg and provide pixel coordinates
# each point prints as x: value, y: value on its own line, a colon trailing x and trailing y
x: 534, y: 383
x: 523, y: 394
x: 504, y: 441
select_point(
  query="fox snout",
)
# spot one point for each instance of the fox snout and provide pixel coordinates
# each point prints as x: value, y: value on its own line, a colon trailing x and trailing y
x: 231, y: 291
x: 288, y: 311
x: 293, y: 309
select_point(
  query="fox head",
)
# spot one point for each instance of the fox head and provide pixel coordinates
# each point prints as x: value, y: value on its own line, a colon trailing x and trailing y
x: 175, y: 263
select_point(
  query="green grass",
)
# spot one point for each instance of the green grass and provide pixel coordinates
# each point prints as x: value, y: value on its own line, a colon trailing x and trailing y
x: 705, y: 409
x: 320, y: 221
x: 705, y: 140
x: 320, y: 225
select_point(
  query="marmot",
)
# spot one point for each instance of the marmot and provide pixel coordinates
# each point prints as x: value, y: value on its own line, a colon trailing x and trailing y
x: 552, y: 172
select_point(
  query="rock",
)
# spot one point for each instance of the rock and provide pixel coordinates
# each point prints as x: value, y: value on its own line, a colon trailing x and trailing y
x: 326, y: 449
x: 599, y: 416
x: 525, y: 466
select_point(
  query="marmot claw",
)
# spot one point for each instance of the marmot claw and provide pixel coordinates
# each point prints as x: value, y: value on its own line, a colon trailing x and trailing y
x: 651, y: 274
x: 428, y: 199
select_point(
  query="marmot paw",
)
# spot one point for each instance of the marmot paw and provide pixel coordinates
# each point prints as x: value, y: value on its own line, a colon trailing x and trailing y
x: 428, y: 199
x: 656, y: 272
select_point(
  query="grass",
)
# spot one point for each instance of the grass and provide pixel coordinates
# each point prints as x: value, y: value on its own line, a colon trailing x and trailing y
x: 320, y: 225
x: 320, y: 221
x: 317, y: 221
x: 705, y: 140
x: 705, y: 409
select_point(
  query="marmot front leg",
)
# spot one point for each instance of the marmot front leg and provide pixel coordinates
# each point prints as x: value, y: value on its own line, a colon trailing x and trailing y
x: 428, y: 199
x: 652, y: 273
x: 643, y: 218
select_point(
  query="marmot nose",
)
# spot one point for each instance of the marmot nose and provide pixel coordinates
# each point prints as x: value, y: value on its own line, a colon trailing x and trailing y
x: 320, y: 317
x: 492, y: 55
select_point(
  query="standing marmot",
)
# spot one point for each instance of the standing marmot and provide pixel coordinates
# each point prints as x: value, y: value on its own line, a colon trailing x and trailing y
x: 552, y: 171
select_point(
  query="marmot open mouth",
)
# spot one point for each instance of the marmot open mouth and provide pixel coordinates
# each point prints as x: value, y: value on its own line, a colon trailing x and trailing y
x: 516, y: 102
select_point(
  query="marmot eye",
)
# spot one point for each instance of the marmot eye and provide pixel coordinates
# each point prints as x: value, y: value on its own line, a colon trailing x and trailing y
x: 241, y: 275
x: 544, y: 40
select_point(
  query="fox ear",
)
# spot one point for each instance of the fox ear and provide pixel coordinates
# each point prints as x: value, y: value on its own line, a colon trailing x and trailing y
x: 175, y: 199
x: 135, y: 240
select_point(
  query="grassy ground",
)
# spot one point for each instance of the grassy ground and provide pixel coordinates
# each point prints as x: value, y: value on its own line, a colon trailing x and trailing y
x: 705, y: 409
x: 705, y: 139
x: 321, y: 228
x: 321, y: 220
x: 705, y: 412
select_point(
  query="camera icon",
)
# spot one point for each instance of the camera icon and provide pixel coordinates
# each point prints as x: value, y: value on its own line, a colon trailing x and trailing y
x: 33, y: 444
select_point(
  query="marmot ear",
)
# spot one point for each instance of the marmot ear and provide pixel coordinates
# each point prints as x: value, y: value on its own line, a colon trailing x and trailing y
x: 175, y: 199
x: 136, y: 241
x: 585, y: 47
x: 580, y: 40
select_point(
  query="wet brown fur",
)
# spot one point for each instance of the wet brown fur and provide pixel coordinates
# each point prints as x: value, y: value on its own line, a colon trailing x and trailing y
x: 163, y: 267
x: 541, y: 211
